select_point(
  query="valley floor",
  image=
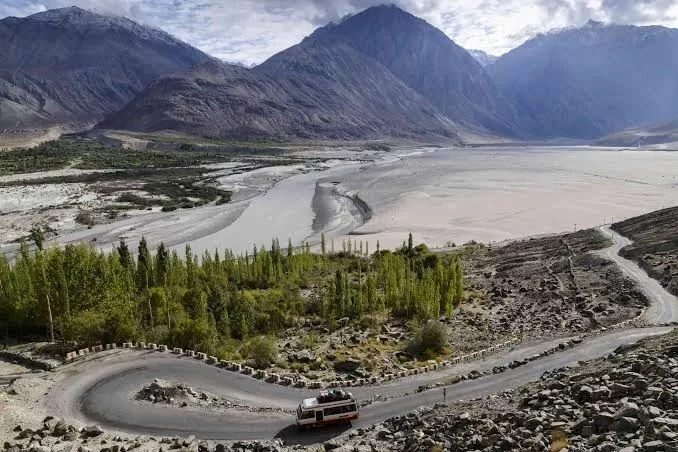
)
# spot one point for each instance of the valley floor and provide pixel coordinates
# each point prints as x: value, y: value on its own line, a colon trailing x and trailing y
x: 441, y: 195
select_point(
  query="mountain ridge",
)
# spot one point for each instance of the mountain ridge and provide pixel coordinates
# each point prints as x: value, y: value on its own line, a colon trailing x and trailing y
x: 590, y: 81
x: 52, y: 71
x: 290, y: 95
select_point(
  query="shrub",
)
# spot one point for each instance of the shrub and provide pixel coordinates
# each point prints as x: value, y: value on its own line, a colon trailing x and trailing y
x: 430, y: 341
x: 262, y: 351
x: 38, y: 236
x: 85, y: 218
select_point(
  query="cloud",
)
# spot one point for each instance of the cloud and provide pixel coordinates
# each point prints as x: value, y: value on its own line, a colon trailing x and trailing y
x: 250, y: 31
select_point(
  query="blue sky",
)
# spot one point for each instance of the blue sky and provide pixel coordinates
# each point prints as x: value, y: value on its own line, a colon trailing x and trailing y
x: 250, y: 31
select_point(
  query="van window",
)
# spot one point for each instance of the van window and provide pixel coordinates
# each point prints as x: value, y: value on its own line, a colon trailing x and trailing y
x: 307, y: 415
x: 339, y: 409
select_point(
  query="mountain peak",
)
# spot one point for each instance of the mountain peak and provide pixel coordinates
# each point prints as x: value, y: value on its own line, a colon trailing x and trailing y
x: 383, y: 11
x: 61, y: 13
x: 412, y: 49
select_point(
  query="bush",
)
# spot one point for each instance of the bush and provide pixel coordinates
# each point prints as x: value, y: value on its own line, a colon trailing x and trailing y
x: 85, y: 218
x: 262, y: 351
x: 430, y: 341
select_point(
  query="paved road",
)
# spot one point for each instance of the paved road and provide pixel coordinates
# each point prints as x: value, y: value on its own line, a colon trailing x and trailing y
x: 664, y: 308
x: 101, y: 390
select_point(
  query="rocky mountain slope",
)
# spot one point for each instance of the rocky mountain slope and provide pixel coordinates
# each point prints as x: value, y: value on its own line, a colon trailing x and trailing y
x: 644, y: 136
x: 307, y: 91
x: 429, y: 62
x: 67, y: 65
x: 590, y: 81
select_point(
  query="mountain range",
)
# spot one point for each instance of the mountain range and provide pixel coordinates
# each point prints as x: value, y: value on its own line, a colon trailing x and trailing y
x: 379, y: 73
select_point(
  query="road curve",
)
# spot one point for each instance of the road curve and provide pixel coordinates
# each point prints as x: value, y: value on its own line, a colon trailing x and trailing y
x: 101, y: 390
x: 664, y: 305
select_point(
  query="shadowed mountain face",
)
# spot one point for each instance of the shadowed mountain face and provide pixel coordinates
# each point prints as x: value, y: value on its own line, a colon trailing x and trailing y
x: 587, y: 82
x: 68, y: 65
x: 304, y: 92
x: 429, y: 62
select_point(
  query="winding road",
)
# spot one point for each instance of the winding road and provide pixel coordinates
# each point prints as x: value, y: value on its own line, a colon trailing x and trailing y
x: 100, y: 390
x: 664, y: 307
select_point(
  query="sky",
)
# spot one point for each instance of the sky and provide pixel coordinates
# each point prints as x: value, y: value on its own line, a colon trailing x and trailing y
x: 250, y: 31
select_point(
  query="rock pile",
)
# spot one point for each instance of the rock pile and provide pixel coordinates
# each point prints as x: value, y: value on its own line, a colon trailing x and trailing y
x: 627, y: 402
x: 163, y: 392
x: 184, y: 395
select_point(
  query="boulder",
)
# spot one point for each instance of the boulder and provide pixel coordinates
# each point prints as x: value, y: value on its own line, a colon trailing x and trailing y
x: 39, y: 448
x: 92, y: 430
x: 331, y: 445
x: 71, y: 436
x: 653, y: 446
x: 348, y: 365
x: 629, y: 409
x: 669, y: 422
x: 585, y: 393
x: 303, y: 356
x: 60, y: 428
x: 603, y: 421
x: 627, y: 425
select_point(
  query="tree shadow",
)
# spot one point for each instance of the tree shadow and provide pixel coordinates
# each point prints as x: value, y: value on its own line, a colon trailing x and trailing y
x: 292, y: 436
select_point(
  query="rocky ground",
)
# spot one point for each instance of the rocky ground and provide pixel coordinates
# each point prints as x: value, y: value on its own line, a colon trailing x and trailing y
x: 655, y: 246
x: 548, y: 286
x: 627, y: 402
